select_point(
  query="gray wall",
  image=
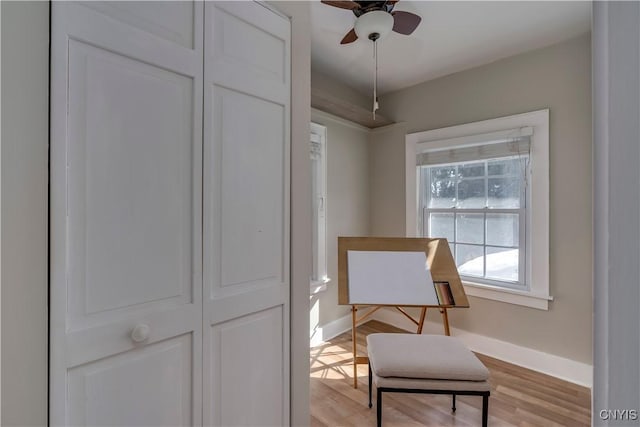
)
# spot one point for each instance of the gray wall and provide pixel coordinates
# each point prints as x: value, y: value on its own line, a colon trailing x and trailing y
x: 616, y: 65
x: 559, y: 78
x: 387, y: 205
x: 331, y: 86
x: 347, y: 201
x: 25, y: 140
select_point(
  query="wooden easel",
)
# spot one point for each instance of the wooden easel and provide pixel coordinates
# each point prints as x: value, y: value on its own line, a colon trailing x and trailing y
x: 441, y: 266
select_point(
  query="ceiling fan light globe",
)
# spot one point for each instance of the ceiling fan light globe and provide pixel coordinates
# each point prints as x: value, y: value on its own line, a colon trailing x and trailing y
x: 376, y: 21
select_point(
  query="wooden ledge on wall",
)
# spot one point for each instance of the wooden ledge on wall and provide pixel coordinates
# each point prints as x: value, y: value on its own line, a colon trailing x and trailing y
x: 341, y: 108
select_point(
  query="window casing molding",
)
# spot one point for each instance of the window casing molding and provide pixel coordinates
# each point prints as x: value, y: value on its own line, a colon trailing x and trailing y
x: 318, y: 157
x: 537, y: 122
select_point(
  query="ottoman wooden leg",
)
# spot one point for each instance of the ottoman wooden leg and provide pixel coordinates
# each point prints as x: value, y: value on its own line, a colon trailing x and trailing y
x: 453, y: 404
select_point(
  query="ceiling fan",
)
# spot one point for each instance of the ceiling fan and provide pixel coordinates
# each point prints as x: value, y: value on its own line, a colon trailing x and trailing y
x: 376, y: 19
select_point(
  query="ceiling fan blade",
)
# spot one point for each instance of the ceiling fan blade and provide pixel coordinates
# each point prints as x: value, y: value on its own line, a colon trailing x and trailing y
x: 350, y: 37
x: 347, y: 4
x: 405, y: 22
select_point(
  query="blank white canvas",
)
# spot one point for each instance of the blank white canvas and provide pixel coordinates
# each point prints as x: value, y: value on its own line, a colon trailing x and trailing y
x: 394, y: 278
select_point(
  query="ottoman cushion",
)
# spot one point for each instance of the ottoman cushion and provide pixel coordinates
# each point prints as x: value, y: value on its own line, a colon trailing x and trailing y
x: 422, y: 384
x: 433, y: 357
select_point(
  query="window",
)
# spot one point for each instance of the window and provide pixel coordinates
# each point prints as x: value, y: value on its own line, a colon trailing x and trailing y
x: 475, y: 185
x: 318, y: 154
x: 480, y: 208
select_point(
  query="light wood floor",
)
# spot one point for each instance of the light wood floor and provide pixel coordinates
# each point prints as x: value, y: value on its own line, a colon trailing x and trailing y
x: 519, y: 396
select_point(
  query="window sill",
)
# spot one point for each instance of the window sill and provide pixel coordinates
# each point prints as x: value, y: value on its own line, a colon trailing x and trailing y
x: 318, y: 286
x: 511, y: 296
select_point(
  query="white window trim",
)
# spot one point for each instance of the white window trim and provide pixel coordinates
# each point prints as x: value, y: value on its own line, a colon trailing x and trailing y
x: 320, y: 284
x: 538, y: 294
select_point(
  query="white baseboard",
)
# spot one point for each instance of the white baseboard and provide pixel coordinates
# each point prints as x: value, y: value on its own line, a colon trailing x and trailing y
x: 324, y: 333
x: 556, y: 366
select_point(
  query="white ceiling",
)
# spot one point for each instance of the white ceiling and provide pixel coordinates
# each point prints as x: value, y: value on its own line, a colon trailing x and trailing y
x: 453, y: 36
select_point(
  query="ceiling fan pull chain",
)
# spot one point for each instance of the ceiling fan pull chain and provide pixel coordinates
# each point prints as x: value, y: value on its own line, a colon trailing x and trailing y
x: 375, y: 79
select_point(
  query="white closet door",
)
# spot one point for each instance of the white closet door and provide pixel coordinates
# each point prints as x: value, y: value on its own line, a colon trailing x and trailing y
x: 126, y: 156
x: 246, y: 211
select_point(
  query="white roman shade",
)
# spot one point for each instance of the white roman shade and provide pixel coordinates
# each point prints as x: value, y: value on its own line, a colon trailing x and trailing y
x: 479, y: 147
x: 316, y: 147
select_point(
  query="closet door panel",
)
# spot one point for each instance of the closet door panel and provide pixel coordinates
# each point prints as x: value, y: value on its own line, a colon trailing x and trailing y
x: 248, y: 394
x: 247, y: 49
x: 130, y: 205
x: 246, y: 215
x: 126, y: 257
x: 252, y: 192
x: 158, y: 391
x: 170, y: 20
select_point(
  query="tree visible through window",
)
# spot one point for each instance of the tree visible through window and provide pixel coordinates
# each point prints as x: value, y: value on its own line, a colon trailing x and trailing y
x: 480, y: 208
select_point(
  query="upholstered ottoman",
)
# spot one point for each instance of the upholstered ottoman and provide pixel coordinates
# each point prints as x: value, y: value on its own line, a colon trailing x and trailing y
x: 434, y: 364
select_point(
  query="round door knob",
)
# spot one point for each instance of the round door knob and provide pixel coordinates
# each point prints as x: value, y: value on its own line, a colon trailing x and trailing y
x: 140, y: 333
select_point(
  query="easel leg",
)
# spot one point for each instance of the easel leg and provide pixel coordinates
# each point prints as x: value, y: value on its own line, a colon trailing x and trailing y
x: 421, y: 323
x: 354, y: 311
x: 445, y: 321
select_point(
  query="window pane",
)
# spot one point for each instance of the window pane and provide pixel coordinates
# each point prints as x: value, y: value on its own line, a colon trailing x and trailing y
x: 441, y: 225
x: 443, y: 187
x: 504, y: 193
x: 315, y: 194
x: 470, y: 228
x: 471, y: 193
x: 504, y: 167
x: 502, y: 229
x: 502, y: 264
x: 423, y: 173
x: 471, y: 170
x: 443, y: 172
x: 470, y: 260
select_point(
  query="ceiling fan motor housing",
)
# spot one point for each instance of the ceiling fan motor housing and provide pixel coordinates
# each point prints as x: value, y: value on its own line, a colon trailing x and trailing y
x: 368, y: 6
x: 372, y: 23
